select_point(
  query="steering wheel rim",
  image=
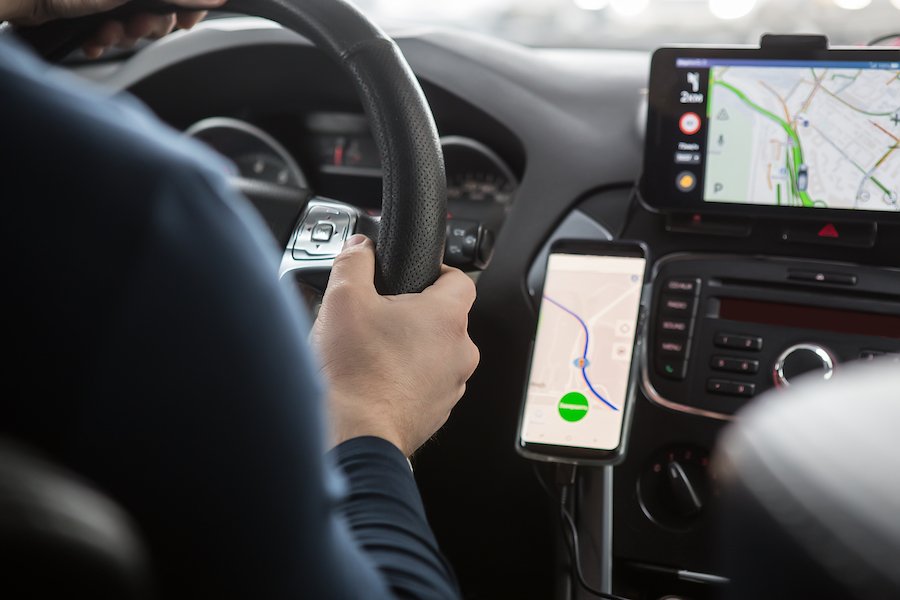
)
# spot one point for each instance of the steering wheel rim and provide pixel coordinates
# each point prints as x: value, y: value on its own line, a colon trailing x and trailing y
x: 410, y: 244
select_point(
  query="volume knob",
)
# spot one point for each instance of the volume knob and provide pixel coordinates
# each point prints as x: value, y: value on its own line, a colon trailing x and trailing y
x: 801, y: 359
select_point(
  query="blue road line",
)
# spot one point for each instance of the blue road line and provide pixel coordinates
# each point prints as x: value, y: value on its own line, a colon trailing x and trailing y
x: 587, y: 337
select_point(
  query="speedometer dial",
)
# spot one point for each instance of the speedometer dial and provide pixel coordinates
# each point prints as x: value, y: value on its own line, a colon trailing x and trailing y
x: 264, y: 167
x: 254, y: 153
x: 480, y: 186
x: 476, y: 174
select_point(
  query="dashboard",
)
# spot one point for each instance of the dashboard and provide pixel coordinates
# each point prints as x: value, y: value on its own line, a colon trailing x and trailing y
x: 542, y: 145
x: 341, y: 160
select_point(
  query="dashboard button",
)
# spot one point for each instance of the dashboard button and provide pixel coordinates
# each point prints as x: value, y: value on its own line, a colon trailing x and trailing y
x: 675, y: 326
x: 679, y: 306
x: 730, y: 388
x: 856, y: 235
x: 823, y: 277
x: 672, y: 348
x: 671, y: 368
x: 734, y: 365
x: 682, y: 286
x: 738, y: 342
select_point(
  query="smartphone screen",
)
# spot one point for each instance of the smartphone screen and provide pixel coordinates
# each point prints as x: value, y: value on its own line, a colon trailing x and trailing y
x: 583, y: 350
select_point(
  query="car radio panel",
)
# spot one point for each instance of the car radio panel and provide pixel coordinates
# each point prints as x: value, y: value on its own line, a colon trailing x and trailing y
x: 726, y: 328
x: 774, y: 131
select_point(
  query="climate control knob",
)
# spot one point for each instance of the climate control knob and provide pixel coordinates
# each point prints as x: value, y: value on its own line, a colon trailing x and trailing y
x: 800, y: 360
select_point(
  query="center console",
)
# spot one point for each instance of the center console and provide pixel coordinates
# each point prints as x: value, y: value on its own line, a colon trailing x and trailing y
x: 770, y: 199
x: 727, y: 328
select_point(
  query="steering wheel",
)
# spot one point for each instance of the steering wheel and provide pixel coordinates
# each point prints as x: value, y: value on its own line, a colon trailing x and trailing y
x: 410, y: 235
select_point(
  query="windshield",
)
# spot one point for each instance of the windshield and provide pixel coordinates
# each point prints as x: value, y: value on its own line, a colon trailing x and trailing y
x: 647, y: 24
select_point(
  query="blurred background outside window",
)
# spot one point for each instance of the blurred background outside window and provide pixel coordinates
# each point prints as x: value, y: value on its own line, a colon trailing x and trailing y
x: 646, y: 24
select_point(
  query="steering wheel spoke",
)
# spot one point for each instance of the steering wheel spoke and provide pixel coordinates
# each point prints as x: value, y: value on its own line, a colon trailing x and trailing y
x: 279, y: 205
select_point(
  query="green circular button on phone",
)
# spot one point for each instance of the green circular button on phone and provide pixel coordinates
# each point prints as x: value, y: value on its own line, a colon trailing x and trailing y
x: 573, y: 407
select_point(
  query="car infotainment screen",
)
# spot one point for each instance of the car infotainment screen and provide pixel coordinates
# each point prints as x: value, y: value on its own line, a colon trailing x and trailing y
x: 779, y: 133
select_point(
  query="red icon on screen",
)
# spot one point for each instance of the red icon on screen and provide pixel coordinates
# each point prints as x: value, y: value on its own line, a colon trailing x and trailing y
x: 829, y: 231
x: 689, y: 123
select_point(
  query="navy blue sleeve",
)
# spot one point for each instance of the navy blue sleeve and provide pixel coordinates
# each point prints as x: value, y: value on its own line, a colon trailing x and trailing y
x: 159, y: 357
x: 380, y: 483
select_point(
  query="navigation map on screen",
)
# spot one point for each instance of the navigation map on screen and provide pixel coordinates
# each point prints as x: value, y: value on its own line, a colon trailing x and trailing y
x: 805, y: 134
x: 583, y: 349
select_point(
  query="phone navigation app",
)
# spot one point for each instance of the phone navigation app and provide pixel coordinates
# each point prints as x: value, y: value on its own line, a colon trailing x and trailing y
x: 583, y: 351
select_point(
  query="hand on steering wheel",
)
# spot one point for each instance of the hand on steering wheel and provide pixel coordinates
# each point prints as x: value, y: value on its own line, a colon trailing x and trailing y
x: 121, y: 33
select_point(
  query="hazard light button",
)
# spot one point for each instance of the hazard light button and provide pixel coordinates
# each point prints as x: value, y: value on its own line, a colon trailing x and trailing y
x: 830, y: 233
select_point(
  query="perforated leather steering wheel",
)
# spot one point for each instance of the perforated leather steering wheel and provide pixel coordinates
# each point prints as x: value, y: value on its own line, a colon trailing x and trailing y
x: 412, y: 228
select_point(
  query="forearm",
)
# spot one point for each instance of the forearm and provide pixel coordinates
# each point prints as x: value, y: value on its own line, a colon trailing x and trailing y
x: 385, y: 514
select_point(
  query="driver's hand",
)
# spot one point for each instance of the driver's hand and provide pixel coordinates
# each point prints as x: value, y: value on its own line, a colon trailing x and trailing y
x: 395, y: 365
x: 122, y: 34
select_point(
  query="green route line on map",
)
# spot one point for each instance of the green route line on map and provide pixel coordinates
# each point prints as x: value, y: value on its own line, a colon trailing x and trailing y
x: 796, y: 149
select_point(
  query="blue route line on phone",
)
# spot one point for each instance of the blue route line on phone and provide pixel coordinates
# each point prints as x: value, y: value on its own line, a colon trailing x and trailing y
x: 587, y: 337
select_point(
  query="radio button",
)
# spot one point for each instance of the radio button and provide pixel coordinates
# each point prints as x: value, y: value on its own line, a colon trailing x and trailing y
x: 738, y: 342
x: 672, y: 348
x: 735, y: 365
x: 822, y: 277
x: 682, y: 286
x: 730, y: 388
x: 679, y: 306
x: 674, y: 326
x: 671, y: 368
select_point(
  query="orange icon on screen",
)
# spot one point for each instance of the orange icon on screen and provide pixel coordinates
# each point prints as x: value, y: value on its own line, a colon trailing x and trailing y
x: 686, y: 181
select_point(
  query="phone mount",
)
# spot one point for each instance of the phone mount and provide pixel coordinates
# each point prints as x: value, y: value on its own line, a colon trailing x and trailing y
x: 771, y: 41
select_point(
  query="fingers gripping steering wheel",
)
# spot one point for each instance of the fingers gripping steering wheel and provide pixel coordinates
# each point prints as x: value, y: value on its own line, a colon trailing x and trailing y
x: 410, y: 244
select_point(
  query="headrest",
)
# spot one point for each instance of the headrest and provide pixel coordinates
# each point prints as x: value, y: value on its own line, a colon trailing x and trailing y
x: 60, y: 538
x: 811, y: 489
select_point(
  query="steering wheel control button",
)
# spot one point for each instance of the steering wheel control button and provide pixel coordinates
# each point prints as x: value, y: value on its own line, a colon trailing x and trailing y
x: 468, y: 244
x: 322, y: 232
x: 800, y: 360
x: 730, y: 388
x: 733, y: 364
x: 738, y: 342
x: 682, y: 286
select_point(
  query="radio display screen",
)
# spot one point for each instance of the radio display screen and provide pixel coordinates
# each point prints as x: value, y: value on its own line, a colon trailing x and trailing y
x: 774, y: 133
x: 810, y: 317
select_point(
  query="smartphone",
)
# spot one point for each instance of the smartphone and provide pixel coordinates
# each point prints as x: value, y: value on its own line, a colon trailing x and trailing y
x: 581, y: 381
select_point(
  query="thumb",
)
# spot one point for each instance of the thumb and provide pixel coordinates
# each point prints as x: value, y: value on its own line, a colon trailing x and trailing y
x: 355, y: 264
